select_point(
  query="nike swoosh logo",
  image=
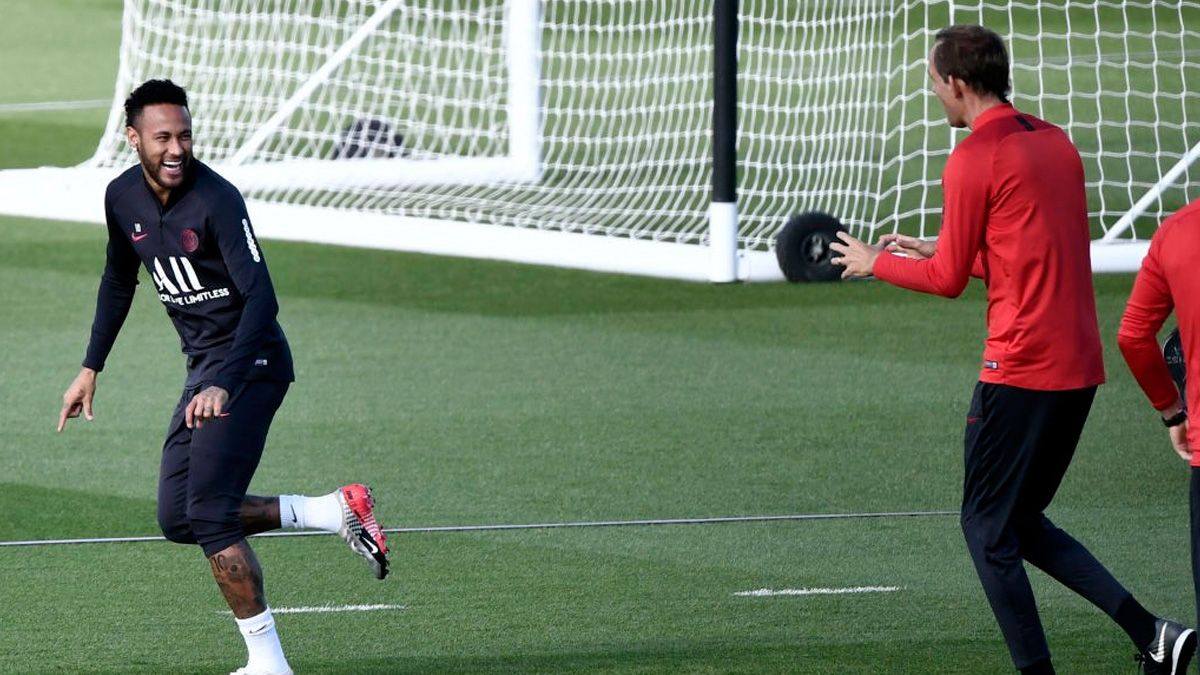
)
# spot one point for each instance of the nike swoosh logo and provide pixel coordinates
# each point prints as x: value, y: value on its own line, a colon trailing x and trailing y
x: 1162, y: 646
x: 367, y: 541
x: 294, y: 518
x: 139, y: 237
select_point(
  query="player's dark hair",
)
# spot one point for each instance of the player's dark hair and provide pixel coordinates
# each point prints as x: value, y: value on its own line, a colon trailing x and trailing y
x: 152, y: 92
x: 974, y: 55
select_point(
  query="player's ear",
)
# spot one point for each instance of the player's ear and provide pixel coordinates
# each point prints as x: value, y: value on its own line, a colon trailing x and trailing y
x: 131, y: 137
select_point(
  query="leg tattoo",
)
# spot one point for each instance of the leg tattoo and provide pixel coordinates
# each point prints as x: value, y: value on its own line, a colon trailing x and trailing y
x: 259, y: 514
x: 237, y: 572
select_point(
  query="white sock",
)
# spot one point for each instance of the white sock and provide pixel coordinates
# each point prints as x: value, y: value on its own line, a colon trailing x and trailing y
x: 262, y: 643
x: 321, y: 513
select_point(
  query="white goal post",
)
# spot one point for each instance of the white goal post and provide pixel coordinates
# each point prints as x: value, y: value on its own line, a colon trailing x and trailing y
x: 581, y: 133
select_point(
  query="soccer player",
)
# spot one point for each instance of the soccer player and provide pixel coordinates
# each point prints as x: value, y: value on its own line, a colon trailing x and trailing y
x: 1015, y: 214
x: 1168, y: 282
x: 189, y: 228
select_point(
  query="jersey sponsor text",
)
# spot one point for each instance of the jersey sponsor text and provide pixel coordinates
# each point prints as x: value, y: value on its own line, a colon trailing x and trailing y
x: 183, y: 286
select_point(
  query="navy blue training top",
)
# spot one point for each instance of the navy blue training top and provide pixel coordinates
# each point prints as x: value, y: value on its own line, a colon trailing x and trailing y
x: 201, y: 252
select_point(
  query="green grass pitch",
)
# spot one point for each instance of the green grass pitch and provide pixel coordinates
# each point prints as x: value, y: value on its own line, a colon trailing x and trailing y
x: 474, y: 393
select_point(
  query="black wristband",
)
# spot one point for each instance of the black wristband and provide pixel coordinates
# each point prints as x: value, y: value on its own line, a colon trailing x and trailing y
x: 1176, y: 419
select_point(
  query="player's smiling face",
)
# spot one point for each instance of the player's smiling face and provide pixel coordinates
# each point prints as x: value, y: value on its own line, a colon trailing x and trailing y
x: 163, y: 141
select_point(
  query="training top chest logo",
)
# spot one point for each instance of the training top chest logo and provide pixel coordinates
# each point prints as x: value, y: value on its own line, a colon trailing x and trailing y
x: 189, y: 240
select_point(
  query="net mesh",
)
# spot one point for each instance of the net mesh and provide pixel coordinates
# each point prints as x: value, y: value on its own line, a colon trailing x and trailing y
x: 835, y: 111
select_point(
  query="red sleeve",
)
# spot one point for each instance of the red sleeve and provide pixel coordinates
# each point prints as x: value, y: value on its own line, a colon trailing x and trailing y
x: 960, y: 240
x: 1149, y: 306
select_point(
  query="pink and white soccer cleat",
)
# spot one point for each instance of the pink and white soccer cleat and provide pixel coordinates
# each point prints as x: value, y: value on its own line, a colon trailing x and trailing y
x: 359, y: 528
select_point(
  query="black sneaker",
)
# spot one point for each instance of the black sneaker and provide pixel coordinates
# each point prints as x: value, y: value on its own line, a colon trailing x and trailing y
x: 1171, y: 650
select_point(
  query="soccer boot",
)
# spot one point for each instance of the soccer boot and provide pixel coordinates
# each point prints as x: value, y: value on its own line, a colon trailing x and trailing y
x: 1171, y: 650
x: 359, y: 528
x: 246, y: 671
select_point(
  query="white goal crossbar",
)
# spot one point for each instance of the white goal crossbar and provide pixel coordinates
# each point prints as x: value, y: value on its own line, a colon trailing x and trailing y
x: 582, y: 133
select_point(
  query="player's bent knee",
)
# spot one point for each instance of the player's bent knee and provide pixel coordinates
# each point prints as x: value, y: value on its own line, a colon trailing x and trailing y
x: 176, y: 527
x: 216, y: 527
x: 178, y: 532
x: 215, y: 537
x: 217, y: 543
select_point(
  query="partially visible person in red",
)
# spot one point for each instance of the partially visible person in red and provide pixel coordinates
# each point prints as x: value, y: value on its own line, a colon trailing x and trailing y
x: 1170, y: 282
x: 1016, y: 215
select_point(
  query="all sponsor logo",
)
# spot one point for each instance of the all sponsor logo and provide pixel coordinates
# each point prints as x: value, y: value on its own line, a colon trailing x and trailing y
x: 178, y: 283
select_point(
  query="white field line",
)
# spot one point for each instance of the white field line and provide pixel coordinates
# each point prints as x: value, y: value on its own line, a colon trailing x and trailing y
x: 769, y: 592
x: 40, y: 106
x: 527, y: 526
x: 325, y: 609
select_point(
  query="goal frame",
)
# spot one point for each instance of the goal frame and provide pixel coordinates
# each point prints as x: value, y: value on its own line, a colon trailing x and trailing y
x: 716, y: 256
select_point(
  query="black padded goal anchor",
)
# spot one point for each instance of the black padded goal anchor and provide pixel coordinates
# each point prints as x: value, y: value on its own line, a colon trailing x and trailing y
x: 802, y: 247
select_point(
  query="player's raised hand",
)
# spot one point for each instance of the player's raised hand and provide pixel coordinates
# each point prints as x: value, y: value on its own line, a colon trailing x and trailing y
x: 918, y: 249
x: 205, y: 406
x: 78, y: 398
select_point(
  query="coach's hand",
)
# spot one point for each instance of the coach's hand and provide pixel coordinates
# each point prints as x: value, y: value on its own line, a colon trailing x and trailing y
x: 1179, y: 441
x: 917, y: 249
x: 78, y: 398
x: 205, y: 406
x: 857, y: 257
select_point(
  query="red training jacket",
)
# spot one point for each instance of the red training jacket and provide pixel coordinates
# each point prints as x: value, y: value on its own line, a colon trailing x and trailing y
x: 1167, y: 281
x: 1015, y: 214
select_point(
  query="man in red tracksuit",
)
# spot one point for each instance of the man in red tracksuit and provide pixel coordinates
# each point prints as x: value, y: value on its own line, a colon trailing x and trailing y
x: 1015, y: 214
x: 1168, y: 281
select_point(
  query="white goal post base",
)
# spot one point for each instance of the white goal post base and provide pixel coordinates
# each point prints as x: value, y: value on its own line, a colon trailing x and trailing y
x: 77, y: 194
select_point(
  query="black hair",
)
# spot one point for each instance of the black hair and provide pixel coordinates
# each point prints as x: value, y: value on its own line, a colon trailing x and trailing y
x: 152, y: 92
x: 974, y: 55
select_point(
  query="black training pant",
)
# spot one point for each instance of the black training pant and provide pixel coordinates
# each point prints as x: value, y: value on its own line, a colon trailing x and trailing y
x: 1018, y: 445
x: 1194, y: 499
x: 205, y: 472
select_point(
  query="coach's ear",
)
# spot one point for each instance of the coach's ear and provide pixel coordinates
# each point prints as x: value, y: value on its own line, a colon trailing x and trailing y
x: 957, y: 86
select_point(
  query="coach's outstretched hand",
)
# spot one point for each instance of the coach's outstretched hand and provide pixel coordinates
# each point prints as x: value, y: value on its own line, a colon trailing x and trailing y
x: 78, y: 398
x: 902, y: 244
x: 857, y: 257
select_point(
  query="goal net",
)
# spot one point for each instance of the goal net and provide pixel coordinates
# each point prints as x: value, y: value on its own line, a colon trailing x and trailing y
x: 839, y: 116
x: 578, y: 132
